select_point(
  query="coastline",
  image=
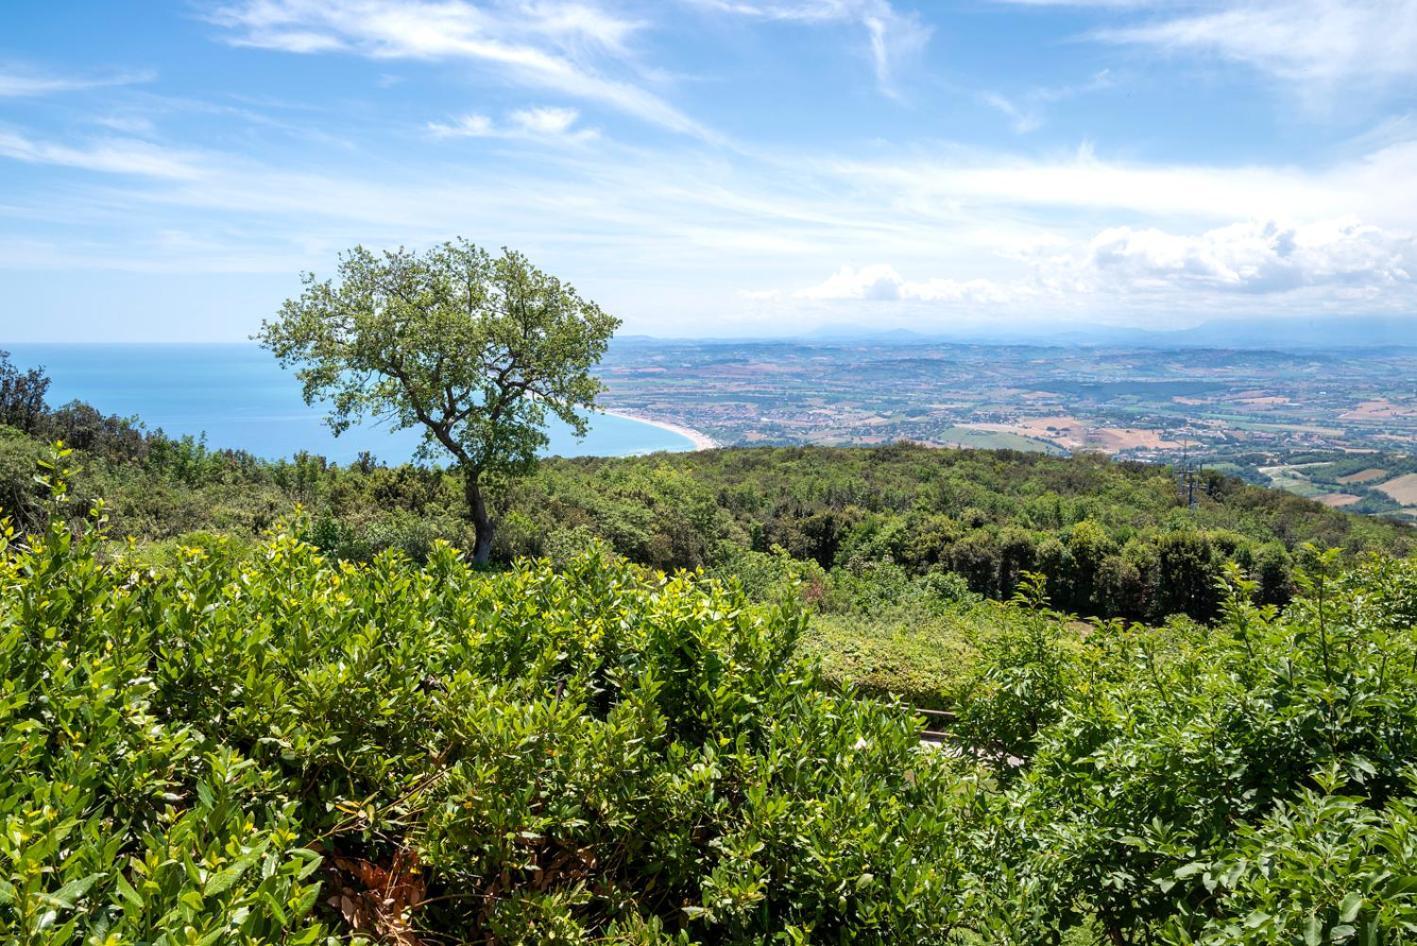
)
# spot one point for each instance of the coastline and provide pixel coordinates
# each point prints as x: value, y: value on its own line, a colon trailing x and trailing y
x: 699, y: 439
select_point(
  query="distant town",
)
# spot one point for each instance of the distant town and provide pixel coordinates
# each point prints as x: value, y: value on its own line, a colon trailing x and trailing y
x: 1339, y: 426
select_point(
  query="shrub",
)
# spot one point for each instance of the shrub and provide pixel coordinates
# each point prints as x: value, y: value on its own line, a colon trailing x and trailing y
x: 260, y: 745
x: 1247, y: 784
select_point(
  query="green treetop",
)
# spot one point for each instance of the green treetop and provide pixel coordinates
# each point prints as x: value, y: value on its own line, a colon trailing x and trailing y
x: 478, y: 350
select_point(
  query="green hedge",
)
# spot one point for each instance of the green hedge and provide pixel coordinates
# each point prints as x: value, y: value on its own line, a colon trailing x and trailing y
x: 236, y: 743
x: 271, y: 746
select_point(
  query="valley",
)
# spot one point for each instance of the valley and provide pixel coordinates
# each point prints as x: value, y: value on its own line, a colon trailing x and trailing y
x: 1256, y: 414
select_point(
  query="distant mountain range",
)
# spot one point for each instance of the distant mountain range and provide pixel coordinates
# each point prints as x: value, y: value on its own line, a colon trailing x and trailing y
x: 1283, y: 334
x: 1280, y: 333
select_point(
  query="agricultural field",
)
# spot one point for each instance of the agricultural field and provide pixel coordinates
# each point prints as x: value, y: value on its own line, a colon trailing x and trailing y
x: 1071, y: 434
x: 1255, y: 414
x: 1403, y: 489
x: 985, y: 437
x: 1376, y: 483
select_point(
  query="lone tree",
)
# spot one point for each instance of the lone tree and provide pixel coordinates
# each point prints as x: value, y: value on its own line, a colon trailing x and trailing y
x: 479, y: 350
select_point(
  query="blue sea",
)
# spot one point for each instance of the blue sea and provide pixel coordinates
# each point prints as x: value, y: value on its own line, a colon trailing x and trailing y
x: 240, y: 398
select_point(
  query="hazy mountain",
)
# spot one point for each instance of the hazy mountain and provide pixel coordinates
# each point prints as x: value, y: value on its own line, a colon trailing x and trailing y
x: 1350, y: 332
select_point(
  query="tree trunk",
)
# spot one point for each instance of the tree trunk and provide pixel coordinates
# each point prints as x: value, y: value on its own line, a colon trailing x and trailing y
x: 481, y: 522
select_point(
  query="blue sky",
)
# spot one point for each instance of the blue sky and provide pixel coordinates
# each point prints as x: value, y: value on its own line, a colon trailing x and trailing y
x: 714, y: 167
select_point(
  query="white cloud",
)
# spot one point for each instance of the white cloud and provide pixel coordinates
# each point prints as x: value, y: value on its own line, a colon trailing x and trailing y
x: 1312, y: 264
x: 1379, y: 187
x: 544, y: 122
x: 880, y: 282
x: 22, y: 83
x: 893, y: 38
x: 1313, y: 42
x: 1104, y: 4
x: 1022, y: 118
x: 1255, y: 257
x: 1025, y: 112
x: 110, y: 156
x: 558, y: 46
x: 465, y: 126
x: 965, y: 232
x: 128, y: 124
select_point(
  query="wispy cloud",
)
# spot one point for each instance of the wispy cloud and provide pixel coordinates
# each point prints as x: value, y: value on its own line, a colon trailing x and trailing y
x: 110, y: 156
x: 1101, y: 4
x: 17, y: 82
x: 128, y: 124
x: 471, y: 125
x: 546, y: 123
x: 1317, y: 45
x: 893, y: 39
x: 1308, y: 41
x: 1378, y: 185
x: 664, y: 222
x: 562, y: 47
x: 1026, y: 111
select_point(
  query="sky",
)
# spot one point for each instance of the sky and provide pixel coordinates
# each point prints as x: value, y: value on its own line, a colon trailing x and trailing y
x: 714, y: 167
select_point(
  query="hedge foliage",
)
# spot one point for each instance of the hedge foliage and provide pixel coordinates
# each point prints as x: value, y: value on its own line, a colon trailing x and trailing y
x: 1251, y: 783
x: 255, y: 744
x: 277, y: 746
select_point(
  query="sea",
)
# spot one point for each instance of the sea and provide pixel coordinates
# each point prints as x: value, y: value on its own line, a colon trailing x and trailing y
x: 238, y: 397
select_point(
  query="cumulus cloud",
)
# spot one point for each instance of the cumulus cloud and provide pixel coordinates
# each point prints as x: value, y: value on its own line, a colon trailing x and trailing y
x: 881, y: 282
x: 1255, y: 257
x: 1340, y: 258
x: 893, y: 38
x: 565, y: 47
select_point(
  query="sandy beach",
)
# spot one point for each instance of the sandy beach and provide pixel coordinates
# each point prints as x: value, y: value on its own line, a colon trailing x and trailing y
x: 700, y: 440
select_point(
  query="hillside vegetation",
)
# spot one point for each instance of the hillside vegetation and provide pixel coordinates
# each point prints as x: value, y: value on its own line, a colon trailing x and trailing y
x: 251, y: 742
x: 1113, y: 539
x: 266, y: 745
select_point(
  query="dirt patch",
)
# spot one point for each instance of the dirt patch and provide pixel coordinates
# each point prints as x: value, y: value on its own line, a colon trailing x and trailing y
x: 1379, y: 409
x: 1402, y: 488
x: 1363, y: 476
x: 1264, y: 402
x: 1113, y: 439
x: 1071, y: 433
x: 1338, y: 500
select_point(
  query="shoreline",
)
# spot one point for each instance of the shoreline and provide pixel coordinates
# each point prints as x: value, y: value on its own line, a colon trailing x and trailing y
x: 699, y: 439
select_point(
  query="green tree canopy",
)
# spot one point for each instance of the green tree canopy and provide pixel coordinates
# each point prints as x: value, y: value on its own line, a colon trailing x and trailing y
x: 478, y: 350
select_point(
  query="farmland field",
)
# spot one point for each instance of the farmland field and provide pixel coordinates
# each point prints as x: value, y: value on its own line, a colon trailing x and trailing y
x: 1336, y: 422
x: 1402, y: 488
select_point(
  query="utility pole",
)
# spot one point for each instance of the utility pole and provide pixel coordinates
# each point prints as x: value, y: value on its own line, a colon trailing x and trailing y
x: 1186, y: 476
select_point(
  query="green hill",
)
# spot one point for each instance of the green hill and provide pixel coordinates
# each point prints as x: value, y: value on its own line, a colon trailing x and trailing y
x: 1113, y: 538
x: 253, y: 742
